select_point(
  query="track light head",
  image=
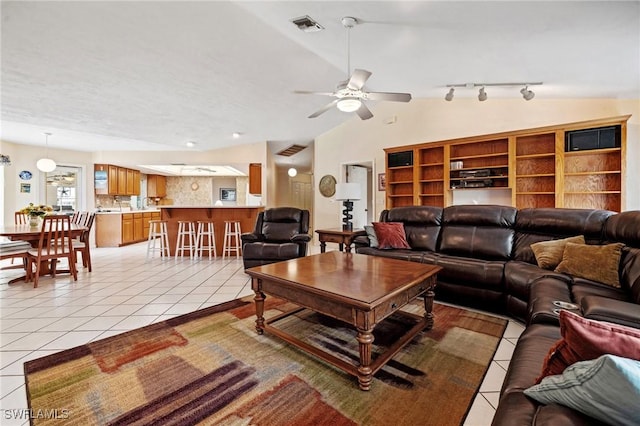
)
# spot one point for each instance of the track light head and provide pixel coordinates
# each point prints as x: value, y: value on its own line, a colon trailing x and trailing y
x: 482, y: 95
x: 449, y: 96
x: 527, y: 94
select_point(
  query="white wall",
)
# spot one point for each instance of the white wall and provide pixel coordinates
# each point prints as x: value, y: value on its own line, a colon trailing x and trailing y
x: 431, y: 120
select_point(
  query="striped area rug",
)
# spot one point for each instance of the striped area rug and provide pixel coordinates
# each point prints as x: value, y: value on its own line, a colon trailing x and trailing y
x: 211, y: 367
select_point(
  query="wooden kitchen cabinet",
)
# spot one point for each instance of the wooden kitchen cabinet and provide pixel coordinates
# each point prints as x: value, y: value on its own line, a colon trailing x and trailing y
x: 127, y: 228
x: 255, y: 178
x: 138, y: 227
x: 156, y: 186
x: 114, y: 180
x: 122, y: 181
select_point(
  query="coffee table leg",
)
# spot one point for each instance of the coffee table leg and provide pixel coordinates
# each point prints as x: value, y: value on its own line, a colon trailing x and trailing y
x: 259, y: 299
x: 365, y: 339
x: 428, y: 308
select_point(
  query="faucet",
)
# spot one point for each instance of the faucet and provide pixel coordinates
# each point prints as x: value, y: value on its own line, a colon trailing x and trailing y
x: 117, y: 200
x: 143, y: 205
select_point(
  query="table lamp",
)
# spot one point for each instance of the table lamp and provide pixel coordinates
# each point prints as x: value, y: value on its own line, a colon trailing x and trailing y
x: 347, y: 192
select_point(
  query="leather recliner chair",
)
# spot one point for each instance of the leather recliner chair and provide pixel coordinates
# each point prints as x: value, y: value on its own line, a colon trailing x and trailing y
x: 280, y: 233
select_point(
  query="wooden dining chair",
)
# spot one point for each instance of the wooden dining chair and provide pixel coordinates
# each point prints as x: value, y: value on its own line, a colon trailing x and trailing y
x: 21, y: 218
x: 82, y: 245
x: 55, y: 242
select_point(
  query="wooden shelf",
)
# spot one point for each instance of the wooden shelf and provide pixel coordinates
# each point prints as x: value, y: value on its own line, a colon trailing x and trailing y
x: 531, y: 163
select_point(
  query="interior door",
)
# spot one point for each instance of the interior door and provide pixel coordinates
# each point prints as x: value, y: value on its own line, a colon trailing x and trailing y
x: 361, y: 207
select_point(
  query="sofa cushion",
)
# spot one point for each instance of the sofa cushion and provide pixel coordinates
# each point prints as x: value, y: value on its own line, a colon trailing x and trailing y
x: 391, y: 235
x: 542, y: 224
x: 584, y: 339
x: 606, y: 388
x: 549, y: 253
x: 520, y: 275
x: 471, y: 272
x: 371, y: 234
x: 478, y: 231
x: 421, y: 224
x: 597, y: 263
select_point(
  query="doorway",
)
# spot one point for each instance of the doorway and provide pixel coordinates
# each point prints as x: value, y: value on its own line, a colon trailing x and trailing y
x: 361, y: 173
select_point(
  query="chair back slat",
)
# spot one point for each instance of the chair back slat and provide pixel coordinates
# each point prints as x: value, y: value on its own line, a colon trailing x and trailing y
x: 21, y: 218
x: 55, y: 235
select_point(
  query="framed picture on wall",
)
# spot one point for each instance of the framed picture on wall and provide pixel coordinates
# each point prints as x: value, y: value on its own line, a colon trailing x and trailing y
x: 228, y: 194
x: 25, y: 188
x: 382, y: 182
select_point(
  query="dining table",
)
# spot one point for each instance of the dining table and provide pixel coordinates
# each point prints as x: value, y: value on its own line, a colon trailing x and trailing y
x: 31, y: 235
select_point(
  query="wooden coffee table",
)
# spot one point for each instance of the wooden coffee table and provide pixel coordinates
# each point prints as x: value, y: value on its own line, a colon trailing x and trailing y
x: 357, y: 289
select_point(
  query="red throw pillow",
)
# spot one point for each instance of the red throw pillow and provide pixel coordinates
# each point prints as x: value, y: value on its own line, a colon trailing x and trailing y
x: 584, y: 339
x: 391, y: 235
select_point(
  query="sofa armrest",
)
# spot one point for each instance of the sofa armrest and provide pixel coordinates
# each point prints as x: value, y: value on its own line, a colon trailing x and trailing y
x: 611, y: 310
x: 301, y: 238
x: 361, y: 241
x: 250, y: 237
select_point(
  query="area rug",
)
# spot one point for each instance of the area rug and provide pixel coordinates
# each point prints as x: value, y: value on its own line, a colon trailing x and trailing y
x: 211, y: 367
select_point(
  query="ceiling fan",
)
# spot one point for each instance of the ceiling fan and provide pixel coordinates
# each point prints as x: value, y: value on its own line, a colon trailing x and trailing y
x: 350, y: 93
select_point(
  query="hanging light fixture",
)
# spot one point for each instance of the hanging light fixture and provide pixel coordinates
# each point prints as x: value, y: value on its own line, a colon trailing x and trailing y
x: 5, y: 160
x: 482, y: 94
x: 349, y: 104
x: 292, y: 172
x: 46, y: 164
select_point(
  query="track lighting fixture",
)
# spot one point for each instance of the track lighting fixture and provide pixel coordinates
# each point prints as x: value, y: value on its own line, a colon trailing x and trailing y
x: 527, y: 94
x: 482, y: 93
x: 449, y: 96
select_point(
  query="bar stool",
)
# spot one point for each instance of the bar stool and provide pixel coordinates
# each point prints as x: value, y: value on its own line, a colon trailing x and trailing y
x: 158, y: 229
x: 186, y: 230
x: 206, y: 229
x: 232, y: 242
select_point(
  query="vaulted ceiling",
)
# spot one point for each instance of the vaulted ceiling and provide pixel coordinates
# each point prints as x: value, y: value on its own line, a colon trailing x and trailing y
x: 147, y: 75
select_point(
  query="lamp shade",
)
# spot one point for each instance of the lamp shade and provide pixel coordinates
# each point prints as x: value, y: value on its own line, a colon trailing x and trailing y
x: 46, y: 165
x: 347, y: 191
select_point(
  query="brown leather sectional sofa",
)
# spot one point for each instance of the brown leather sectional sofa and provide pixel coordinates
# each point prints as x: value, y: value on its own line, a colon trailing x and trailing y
x: 488, y: 263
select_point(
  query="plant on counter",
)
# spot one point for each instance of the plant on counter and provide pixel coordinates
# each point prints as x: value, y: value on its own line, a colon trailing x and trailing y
x: 36, y: 211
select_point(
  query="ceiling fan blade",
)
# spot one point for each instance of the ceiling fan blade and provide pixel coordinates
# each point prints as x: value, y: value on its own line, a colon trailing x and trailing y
x: 309, y: 92
x: 387, y: 96
x: 358, y: 78
x: 324, y: 109
x: 363, y: 112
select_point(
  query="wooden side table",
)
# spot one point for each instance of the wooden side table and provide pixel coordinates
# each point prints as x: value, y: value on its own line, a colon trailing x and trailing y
x: 337, y: 235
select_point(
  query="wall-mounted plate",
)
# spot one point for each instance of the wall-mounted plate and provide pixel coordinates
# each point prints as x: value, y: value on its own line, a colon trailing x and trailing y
x: 327, y: 185
x: 195, y: 186
x: 25, y: 175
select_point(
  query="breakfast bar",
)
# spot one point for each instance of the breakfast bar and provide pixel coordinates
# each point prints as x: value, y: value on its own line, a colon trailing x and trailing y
x: 246, y: 215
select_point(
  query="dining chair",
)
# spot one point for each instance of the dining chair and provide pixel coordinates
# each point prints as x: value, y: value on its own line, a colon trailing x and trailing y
x: 19, y: 219
x: 55, y: 242
x: 82, y: 245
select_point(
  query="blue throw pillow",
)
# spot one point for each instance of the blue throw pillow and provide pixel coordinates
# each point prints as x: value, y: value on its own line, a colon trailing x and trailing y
x: 373, y: 238
x: 606, y: 388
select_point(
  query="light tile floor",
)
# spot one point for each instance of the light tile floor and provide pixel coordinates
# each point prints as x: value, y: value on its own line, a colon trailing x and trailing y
x: 124, y: 292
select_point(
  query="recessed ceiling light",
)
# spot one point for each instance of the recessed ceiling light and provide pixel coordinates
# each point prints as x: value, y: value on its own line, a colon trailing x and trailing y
x: 191, y: 144
x: 236, y: 135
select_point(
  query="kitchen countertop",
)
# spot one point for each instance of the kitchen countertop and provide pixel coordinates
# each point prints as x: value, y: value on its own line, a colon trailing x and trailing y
x: 110, y: 211
x: 210, y: 207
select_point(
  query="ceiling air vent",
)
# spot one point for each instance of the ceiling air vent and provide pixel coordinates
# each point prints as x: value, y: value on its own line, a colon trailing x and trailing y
x: 306, y: 24
x: 293, y: 149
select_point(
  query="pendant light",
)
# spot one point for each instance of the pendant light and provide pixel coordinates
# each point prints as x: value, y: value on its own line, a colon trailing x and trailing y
x: 46, y: 164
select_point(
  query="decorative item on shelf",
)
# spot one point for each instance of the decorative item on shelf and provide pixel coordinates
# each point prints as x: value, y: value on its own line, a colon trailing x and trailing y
x: 347, y: 193
x: 35, y: 213
x: 5, y: 160
x: 327, y: 185
x: 46, y: 164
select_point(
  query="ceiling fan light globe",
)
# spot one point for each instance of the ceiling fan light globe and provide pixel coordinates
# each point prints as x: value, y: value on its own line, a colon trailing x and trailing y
x: 46, y: 165
x: 349, y: 104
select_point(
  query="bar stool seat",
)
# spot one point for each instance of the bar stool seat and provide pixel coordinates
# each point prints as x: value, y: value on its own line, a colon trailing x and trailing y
x: 158, y: 230
x: 232, y: 241
x: 186, y: 240
x: 206, y: 230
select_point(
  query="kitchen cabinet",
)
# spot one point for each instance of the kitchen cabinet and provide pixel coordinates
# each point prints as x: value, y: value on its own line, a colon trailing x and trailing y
x: 255, y: 178
x: 156, y: 186
x: 114, y: 180
x: 536, y: 165
x: 117, y: 229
